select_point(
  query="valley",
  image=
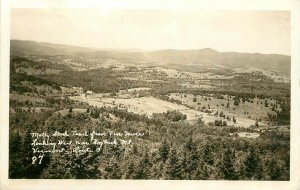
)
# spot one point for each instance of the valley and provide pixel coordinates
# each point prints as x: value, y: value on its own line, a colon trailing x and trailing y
x: 219, y: 100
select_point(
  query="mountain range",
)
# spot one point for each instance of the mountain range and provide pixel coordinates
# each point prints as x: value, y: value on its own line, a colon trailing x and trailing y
x: 200, y: 57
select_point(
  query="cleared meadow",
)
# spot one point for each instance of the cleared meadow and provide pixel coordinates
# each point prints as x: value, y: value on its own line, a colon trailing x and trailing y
x: 150, y: 105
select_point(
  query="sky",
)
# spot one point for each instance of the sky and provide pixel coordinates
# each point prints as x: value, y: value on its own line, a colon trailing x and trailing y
x: 225, y: 31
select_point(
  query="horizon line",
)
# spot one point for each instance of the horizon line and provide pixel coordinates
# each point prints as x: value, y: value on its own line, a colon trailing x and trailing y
x: 140, y: 50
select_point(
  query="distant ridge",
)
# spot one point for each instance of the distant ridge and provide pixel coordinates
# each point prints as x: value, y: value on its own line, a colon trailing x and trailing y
x: 206, y: 56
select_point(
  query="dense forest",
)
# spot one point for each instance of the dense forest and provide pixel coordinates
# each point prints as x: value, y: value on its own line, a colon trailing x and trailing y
x: 170, y: 149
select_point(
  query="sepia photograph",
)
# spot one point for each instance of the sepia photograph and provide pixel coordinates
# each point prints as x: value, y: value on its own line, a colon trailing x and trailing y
x: 149, y: 94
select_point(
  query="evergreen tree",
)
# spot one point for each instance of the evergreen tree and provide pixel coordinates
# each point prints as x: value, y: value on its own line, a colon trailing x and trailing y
x: 27, y: 153
x: 184, y: 167
x: 236, y: 101
x: 84, y: 165
x: 143, y: 168
x: 234, y: 120
x: 192, y: 158
x: 227, y: 165
x: 59, y: 168
x: 173, y: 167
x: 274, y: 170
x: 207, y: 155
x: 116, y: 172
x: 252, y: 165
x: 15, y: 161
x: 241, y: 171
x: 130, y: 170
x: 228, y: 105
x: 164, y: 151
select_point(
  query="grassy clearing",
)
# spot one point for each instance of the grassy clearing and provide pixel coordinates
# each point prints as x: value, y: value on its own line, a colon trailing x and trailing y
x: 246, y: 111
x: 150, y: 105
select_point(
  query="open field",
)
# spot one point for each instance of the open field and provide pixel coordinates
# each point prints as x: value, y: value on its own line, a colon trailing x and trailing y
x: 150, y: 105
x: 250, y: 111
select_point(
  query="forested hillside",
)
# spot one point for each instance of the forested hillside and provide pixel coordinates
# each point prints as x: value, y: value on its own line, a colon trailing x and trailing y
x: 170, y: 114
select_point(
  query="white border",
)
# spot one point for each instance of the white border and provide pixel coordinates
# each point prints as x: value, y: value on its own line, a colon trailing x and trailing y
x: 290, y: 5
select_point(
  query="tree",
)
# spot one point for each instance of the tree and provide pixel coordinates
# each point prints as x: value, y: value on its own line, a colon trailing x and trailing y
x: 191, y: 158
x: 70, y: 110
x: 164, y: 151
x: 274, y: 170
x: 252, y: 168
x: 184, y: 167
x: 173, y: 166
x: 228, y: 105
x: 207, y: 155
x: 227, y: 165
x: 233, y: 119
x: 130, y: 170
x: 84, y: 165
x: 143, y: 168
x: 266, y: 103
x: 27, y: 153
x: 59, y: 168
x: 175, y: 115
x: 236, y: 101
x: 216, y: 114
x: 200, y: 121
x: 222, y: 114
x: 15, y: 165
x: 256, y: 123
x: 113, y: 169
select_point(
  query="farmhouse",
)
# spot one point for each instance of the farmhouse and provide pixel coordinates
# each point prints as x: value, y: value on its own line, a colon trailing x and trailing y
x: 89, y: 92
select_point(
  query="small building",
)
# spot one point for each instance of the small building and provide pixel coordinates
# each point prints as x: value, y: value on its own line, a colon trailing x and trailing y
x: 89, y: 92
